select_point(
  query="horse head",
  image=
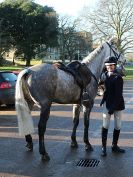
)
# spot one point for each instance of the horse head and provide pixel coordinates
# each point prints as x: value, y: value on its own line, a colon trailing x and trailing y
x: 120, y: 59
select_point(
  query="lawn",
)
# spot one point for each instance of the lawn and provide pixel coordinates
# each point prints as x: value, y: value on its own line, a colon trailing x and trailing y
x: 129, y: 72
x: 33, y: 62
x: 21, y: 65
x: 10, y: 68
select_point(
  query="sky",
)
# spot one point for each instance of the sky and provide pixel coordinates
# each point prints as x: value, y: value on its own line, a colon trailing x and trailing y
x: 69, y: 7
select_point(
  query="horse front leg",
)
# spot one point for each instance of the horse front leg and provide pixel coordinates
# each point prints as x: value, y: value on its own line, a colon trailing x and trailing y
x: 44, y: 115
x: 86, y: 113
x: 76, y: 113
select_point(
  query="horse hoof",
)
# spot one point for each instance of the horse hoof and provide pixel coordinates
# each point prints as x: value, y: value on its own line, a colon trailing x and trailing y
x: 74, y: 145
x: 88, y: 147
x: 29, y: 146
x: 45, y: 157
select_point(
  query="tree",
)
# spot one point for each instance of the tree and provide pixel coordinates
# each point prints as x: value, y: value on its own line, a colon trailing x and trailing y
x: 84, y: 43
x: 10, y: 27
x: 72, y: 42
x: 1, y: 42
x: 66, y: 31
x: 112, y: 17
x: 30, y: 26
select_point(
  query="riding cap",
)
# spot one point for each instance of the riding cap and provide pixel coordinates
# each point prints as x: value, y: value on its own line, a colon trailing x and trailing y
x: 111, y: 61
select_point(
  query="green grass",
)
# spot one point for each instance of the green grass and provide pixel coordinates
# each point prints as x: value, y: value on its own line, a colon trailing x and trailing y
x: 21, y: 65
x: 129, y: 72
x: 33, y: 62
x: 11, y: 68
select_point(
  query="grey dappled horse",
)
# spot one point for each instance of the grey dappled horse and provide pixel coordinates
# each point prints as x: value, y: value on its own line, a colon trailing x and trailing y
x: 45, y: 83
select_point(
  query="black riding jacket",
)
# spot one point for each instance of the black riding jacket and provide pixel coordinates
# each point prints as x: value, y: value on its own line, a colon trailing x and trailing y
x: 113, y: 95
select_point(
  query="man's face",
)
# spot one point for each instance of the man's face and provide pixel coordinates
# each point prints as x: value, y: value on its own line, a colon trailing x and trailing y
x: 110, y: 68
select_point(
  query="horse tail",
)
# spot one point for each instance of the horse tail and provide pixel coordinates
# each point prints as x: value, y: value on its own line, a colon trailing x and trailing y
x: 25, y: 121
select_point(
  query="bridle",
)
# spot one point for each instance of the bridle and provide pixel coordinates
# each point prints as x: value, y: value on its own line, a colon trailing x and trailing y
x: 117, y: 56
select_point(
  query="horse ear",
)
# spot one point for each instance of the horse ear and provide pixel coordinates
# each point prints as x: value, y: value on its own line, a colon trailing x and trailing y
x: 113, y: 40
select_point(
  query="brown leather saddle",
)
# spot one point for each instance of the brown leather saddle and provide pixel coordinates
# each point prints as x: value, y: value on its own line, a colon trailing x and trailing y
x: 80, y: 72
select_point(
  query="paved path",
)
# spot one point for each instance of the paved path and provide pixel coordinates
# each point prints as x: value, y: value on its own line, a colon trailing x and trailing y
x: 15, y: 161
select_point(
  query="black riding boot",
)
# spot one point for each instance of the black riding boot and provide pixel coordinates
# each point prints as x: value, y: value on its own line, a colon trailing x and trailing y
x: 116, y: 148
x: 104, y: 141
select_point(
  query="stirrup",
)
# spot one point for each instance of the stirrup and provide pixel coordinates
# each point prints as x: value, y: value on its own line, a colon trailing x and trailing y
x: 85, y: 96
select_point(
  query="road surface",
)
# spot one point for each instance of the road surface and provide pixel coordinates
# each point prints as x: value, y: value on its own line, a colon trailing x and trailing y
x: 15, y: 161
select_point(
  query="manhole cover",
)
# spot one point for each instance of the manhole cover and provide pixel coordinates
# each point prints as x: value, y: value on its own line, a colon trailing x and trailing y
x: 88, y: 163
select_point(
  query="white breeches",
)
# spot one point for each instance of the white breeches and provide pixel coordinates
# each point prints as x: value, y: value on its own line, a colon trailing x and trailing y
x: 107, y: 117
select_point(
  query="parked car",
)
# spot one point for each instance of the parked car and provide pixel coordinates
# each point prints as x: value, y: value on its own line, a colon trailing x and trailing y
x: 7, y: 87
x: 16, y: 72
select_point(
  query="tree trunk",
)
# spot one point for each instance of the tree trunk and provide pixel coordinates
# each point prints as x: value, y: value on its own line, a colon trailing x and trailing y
x: 28, y: 59
x: 28, y: 62
x: 1, y: 60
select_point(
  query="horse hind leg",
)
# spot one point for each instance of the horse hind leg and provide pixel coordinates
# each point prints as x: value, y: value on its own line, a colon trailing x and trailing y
x: 29, y: 144
x: 44, y: 115
x: 28, y: 137
x: 76, y: 113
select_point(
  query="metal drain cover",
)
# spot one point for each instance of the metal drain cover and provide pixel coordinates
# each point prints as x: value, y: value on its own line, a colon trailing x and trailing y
x: 88, y: 163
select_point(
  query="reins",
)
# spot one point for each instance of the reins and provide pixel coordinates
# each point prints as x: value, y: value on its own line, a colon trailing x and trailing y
x: 94, y: 77
x: 117, y: 56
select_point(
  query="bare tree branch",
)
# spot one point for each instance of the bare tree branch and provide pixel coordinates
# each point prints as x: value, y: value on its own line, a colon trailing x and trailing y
x: 111, y: 17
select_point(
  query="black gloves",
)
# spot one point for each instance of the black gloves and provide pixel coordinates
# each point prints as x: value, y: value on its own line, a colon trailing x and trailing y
x: 111, y: 112
x: 102, y: 102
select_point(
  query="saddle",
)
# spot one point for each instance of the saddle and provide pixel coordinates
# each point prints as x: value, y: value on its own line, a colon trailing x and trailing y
x: 80, y: 72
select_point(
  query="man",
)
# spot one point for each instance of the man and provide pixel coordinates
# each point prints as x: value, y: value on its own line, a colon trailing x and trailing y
x: 113, y: 103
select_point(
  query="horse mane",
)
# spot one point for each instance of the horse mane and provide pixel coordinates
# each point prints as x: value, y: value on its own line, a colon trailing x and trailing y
x: 113, y: 40
x: 92, y: 55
